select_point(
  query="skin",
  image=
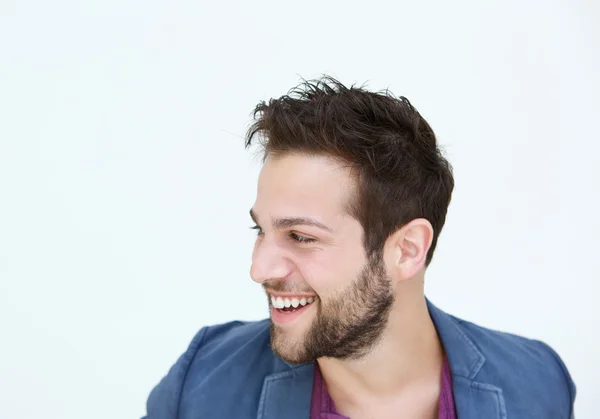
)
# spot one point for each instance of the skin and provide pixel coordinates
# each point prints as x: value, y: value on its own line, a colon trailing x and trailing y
x: 308, y: 245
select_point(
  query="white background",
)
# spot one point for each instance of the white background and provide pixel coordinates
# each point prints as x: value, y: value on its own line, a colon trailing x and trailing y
x: 125, y: 186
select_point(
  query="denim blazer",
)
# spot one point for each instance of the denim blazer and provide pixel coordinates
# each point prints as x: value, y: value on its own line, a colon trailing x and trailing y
x: 230, y: 372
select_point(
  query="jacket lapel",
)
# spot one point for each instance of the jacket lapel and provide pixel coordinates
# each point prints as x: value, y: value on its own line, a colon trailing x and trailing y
x: 473, y: 399
x: 287, y: 394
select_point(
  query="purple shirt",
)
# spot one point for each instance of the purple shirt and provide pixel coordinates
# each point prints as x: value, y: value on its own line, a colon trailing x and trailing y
x: 322, y: 406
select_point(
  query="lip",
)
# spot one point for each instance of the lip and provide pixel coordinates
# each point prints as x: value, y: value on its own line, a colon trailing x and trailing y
x: 291, y: 294
x: 285, y: 317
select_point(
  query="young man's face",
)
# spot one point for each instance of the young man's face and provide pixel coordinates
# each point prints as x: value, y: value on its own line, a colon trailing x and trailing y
x: 326, y: 297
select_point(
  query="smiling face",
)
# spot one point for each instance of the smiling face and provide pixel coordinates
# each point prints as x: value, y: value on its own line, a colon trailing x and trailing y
x: 327, y: 298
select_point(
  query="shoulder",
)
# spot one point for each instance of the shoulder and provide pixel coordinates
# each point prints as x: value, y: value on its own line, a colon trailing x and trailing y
x: 216, y: 354
x: 524, y: 368
x: 223, y: 339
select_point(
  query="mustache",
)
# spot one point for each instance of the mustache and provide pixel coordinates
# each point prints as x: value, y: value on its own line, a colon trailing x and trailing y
x: 286, y: 286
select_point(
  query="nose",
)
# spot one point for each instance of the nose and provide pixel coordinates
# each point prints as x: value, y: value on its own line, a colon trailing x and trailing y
x: 269, y: 262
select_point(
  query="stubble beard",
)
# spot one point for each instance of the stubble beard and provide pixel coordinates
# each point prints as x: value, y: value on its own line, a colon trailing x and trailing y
x: 346, y: 326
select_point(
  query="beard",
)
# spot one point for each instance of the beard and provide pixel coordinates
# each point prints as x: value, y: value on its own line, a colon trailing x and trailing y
x: 346, y: 326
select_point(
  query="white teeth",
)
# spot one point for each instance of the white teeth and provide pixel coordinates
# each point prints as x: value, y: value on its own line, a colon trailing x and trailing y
x: 295, y: 302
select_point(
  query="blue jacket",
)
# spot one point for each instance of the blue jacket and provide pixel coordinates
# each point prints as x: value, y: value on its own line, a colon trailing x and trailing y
x: 230, y: 372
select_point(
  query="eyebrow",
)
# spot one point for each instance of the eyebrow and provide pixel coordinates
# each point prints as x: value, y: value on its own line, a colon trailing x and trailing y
x: 288, y: 222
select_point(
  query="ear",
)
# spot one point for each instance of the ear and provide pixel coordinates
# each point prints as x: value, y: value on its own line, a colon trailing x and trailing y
x: 407, y: 248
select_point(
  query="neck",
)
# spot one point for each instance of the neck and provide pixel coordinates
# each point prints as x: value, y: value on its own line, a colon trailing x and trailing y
x: 409, y: 354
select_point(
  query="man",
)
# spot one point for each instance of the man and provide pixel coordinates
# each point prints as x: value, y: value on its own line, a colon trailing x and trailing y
x: 351, y: 199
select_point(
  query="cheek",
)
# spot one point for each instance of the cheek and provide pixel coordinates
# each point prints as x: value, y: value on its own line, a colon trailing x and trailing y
x: 326, y: 273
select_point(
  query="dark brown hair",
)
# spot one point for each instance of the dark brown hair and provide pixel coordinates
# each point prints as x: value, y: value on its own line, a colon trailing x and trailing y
x: 400, y: 171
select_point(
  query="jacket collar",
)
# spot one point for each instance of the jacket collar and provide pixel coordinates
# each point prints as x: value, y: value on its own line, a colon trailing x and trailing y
x: 288, y: 393
x: 473, y: 399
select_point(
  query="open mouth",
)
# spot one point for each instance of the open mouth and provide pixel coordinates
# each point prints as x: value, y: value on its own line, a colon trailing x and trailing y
x: 290, y: 305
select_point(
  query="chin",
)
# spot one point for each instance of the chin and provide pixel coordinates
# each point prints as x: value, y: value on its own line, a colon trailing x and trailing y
x: 288, y: 344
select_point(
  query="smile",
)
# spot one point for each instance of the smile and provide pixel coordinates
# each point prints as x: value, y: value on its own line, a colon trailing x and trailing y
x: 287, y: 308
x: 290, y: 303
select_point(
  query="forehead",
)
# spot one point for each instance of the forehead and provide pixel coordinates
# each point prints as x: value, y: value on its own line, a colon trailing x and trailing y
x: 302, y: 185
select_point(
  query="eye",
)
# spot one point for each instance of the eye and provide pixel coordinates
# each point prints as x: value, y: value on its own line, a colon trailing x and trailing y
x: 301, y: 239
x: 259, y: 231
